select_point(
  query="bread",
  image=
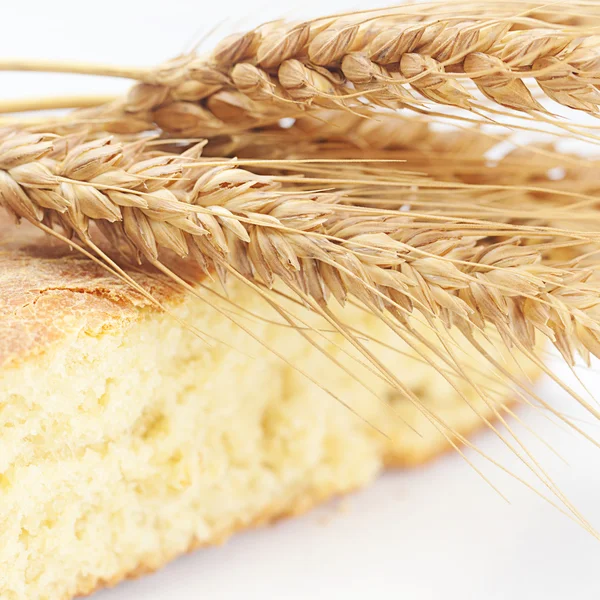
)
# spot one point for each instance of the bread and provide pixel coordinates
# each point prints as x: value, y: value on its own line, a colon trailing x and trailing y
x: 126, y: 439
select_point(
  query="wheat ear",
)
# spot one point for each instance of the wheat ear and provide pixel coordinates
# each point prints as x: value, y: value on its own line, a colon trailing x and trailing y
x: 264, y: 229
x: 401, y: 161
x: 228, y: 217
x: 395, y: 58
x: 382, y: 59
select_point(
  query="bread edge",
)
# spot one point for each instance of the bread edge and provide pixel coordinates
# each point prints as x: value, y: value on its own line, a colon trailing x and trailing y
x: 297, y: 506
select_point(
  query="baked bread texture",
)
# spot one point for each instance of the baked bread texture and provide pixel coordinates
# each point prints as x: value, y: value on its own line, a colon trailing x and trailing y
x: 127, y: 439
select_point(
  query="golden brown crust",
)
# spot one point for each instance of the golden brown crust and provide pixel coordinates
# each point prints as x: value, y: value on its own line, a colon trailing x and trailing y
x: 48, y: 291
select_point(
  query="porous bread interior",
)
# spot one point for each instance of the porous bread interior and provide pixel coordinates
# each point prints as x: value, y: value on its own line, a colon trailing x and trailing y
x: 121, y: 449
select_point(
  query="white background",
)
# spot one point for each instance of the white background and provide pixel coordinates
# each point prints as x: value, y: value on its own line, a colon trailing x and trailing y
x: 433, y: 533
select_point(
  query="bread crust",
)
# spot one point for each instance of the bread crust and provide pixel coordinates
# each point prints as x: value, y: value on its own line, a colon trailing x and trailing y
x: 290, y: 507
x: 48, y: 290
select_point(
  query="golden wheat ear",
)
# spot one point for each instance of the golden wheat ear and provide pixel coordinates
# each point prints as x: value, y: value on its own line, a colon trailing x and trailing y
x: 420, y: 273
x: 439, y: 262
x: 480, y: 57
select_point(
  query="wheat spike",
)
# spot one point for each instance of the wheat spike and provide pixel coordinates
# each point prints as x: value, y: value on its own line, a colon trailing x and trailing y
x: 449, y: 170
x: 351, y: 244
x: 226, y: 217
x: 403, y: 57
x: 395, y: 59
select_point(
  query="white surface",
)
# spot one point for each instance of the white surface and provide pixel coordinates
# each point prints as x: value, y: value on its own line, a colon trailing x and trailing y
x: 435, y: 533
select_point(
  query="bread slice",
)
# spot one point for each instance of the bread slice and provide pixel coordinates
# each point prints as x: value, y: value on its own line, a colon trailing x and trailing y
x: 127, y: 439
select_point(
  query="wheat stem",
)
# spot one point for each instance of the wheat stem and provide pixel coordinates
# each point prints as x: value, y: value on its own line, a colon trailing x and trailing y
x: 73, y: 67
x: 17, y: 105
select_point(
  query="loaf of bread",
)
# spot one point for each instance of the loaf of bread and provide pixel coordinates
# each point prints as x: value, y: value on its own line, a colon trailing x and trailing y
x: 130, y: 434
